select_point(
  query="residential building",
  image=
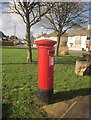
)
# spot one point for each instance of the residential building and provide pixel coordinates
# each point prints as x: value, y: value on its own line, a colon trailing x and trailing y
x: 4, y: 40
x: 78, y: 38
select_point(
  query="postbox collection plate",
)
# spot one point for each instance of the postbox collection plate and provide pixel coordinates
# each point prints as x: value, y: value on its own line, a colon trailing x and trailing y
x: 51, y: 60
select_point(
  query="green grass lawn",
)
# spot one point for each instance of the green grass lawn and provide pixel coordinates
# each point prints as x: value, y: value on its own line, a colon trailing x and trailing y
x: 19, y: 84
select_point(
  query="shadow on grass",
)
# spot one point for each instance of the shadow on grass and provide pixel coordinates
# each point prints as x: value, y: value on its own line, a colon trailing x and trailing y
x: 34, y: 62
x: 12, y: 47
x: 67, y: 59
x: 17, y: 47
x: 6, y: 111
x: 67, y: 95
x: 65, y: 62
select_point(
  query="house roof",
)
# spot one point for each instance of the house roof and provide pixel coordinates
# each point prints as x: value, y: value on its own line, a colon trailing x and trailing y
x: 52, y: 34
x: 2, y: 34
x: 79, y: 31
x: 42, y: 35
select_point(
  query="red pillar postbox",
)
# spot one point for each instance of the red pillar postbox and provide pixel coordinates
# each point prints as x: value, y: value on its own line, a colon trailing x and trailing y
x: 45, y: 68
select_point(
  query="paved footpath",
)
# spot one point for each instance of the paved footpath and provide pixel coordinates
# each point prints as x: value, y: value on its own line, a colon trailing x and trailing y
x: 70, y: 109
x: 80, y: 110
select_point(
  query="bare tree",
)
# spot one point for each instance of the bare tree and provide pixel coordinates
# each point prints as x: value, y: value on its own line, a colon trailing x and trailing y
x: 64, y: 15
x: 31, y: 13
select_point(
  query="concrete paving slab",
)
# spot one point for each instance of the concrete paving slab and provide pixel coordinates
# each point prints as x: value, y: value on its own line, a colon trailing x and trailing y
x: 55, y: 110
x: 74, y: 108
x: 80, y: 110
x: 59, y: 109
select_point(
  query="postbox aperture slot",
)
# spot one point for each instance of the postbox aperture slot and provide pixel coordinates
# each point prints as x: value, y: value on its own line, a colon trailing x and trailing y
x: 51, y: 52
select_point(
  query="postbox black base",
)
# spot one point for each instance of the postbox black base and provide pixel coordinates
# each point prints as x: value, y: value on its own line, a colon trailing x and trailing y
x: 45, y: 95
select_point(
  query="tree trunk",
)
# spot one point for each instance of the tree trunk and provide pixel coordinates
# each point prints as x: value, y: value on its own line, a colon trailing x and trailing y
x: 29, y: 56
x: 58, y: 44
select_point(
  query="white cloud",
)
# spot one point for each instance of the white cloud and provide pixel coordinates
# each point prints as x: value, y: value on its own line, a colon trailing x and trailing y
x: 1, y: 22
x: 8, y: 23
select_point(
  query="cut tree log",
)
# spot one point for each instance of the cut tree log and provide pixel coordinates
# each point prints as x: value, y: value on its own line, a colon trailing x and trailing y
x: 83, y: 68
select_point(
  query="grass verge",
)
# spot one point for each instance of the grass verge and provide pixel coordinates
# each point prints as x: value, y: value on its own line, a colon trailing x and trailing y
x: 20, y: 83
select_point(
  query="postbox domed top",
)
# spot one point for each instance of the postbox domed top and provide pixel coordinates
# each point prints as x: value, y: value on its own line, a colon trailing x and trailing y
x: 45, y: 42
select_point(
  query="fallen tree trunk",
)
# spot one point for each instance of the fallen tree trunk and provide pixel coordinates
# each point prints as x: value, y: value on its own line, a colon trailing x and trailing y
x: 83, y: 68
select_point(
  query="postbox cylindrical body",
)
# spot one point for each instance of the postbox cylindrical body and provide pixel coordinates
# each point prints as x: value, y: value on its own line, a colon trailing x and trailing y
x: 45, y: 68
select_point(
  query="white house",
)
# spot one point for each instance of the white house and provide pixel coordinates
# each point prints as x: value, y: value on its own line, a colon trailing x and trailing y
x: 78, y: 38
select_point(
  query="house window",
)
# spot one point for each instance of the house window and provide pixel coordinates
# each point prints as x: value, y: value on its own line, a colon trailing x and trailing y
x: 88, y: 37
x: 77, y: 37
x: 78, y: 42
x: 78, y: 45
x: 71, y: 44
